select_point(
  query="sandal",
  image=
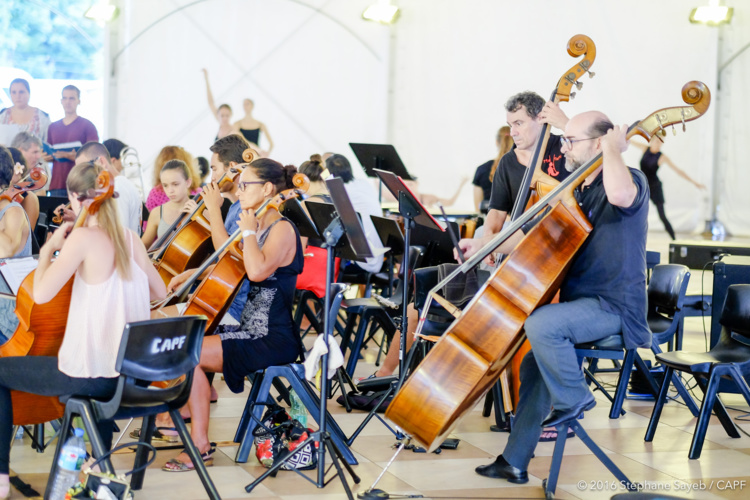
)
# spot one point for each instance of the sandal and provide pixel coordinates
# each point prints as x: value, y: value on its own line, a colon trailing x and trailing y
x: 176, y: 465
x: 158, y: 435
x: 551, y: 435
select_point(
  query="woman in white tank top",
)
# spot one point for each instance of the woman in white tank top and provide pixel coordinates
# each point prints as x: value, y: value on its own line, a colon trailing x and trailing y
x: 114, y: 281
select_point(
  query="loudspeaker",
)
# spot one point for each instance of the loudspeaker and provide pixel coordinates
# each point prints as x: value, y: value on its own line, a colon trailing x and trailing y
x: 728, y: 270
x: 696, y: 254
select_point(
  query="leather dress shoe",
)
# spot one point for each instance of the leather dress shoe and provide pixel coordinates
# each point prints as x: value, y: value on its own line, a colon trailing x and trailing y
x: 501, y: 469
x: 557, y: 417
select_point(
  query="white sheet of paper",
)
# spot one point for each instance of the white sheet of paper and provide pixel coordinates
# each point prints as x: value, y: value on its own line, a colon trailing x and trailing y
x: 15, y: 271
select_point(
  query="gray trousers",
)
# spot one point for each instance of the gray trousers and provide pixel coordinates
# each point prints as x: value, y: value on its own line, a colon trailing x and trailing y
x: 550, y: 374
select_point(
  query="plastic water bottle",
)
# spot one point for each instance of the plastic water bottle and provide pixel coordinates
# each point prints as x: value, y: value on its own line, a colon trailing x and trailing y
x: 69, y: 465
x: 298, y: 410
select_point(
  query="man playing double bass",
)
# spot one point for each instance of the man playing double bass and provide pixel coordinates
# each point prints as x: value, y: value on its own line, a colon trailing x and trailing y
x: 603, y: 294
x: 526, y: 112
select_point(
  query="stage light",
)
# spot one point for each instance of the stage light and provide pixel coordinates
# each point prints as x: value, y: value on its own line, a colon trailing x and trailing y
x: 383, y: 12
x: 102, y: 12
x: 712, y: 14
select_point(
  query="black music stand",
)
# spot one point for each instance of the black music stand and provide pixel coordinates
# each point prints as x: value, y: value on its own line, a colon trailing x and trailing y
x: 380, y: 157
x: 339, y: 229
x: 413, y: 213
x: 292, y: 210
x: 392, y: 237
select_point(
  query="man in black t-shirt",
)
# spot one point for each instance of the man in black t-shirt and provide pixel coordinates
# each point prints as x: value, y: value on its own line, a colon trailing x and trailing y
x: 526, y: 113
x: 603, y: 293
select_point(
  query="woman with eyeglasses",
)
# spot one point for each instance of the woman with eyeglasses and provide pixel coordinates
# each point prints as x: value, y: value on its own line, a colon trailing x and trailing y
x: 265, y: 336
x: 113, y: 280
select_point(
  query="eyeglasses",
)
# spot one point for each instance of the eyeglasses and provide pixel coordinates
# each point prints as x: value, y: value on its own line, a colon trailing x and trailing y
x: 243, y: 184
x: 569, y: 142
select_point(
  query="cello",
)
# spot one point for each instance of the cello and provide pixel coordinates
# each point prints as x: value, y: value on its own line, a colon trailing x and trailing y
x: 42, y: 326
x: 34, y: 180
x: 478, y: 345
x: 218, y: 289
x: 188, y: 241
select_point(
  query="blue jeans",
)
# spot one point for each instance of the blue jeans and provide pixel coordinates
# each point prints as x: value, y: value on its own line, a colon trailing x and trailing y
x: 550, y: 373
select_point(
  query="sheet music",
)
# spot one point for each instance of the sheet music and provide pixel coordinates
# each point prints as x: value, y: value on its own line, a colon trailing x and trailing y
x: 8, y: 132
x: 15, y: 271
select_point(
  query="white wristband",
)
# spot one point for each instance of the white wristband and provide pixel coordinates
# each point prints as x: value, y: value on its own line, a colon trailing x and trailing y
x: 247, y: 233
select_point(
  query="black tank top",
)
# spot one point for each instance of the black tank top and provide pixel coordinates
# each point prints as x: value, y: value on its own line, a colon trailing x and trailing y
x: 252, y: 135
x: 649, y: 165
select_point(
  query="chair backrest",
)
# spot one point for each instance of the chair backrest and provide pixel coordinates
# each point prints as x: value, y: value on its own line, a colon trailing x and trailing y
x: 416, y: 254
x: 735, y: 316
x: 337, y: 296
x: 157, y: 350
x: 667, y: 289
x: 161, y: 349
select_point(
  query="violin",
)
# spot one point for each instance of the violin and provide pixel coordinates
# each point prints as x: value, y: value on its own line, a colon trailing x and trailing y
x: 42, y: 326
x: 216, y: 292
x: 188, y: 241
x: 476, y: 348
x: 34, y: 180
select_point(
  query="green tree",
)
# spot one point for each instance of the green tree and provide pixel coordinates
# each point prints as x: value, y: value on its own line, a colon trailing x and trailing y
x: 50, y: 38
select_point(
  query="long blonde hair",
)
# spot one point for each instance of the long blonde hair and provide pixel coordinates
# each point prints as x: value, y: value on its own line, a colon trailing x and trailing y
x: 177, y: 153
x: 505, y: 141
x: 80, y: 180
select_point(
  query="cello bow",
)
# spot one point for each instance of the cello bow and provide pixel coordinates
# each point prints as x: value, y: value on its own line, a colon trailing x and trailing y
x: 467, y: 360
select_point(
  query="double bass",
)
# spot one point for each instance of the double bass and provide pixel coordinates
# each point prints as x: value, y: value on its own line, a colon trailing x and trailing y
x: 478, y: 345
x: 188, y: 241
x: 42, y: 326
x: 536, y: 183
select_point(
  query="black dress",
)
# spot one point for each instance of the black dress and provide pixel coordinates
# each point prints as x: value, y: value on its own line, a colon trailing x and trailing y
x: 649, y: 166
x: 266, y: 335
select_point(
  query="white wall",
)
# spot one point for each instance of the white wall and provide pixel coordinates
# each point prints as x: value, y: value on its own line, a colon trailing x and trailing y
x: 316, y: 71
x: 434, y: 84
x: 456, y: 63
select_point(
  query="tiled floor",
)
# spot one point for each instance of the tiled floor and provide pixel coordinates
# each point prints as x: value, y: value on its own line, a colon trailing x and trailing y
x: 723, y: 470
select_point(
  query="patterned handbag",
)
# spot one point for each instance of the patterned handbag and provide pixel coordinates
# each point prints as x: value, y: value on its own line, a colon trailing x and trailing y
x: 278, y: 436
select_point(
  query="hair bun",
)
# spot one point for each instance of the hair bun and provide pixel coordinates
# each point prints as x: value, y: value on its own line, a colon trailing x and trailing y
x: 316, y: 158
x: 289, y: 171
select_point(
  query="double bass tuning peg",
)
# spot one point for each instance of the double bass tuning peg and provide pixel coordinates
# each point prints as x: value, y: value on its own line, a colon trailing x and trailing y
x: 591, y: 74
x: 578, y: 85
x: 572, y: 95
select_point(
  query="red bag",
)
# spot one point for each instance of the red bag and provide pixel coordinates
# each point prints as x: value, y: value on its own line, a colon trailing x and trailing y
x: 313, y: 276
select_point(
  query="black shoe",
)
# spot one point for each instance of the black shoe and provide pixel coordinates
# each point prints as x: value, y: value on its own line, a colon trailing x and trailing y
x: 557, y: 417
x: 501, y: 469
